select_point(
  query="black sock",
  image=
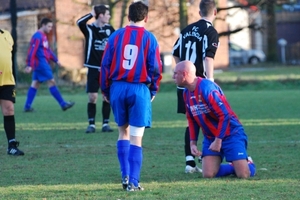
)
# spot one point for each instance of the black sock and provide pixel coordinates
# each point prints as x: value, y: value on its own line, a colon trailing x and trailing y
x: 187, y: 148
x: 91, y: 111
x: 105, y: 112
x: 9, y: 127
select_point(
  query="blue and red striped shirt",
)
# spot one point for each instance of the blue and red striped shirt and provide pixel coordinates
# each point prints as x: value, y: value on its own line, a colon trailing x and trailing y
x: 131, y: 55
x: 39, y: 53
x: 208, y: 109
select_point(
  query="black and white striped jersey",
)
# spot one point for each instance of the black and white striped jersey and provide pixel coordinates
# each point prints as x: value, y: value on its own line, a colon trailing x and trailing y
x: 95, y: 40
x: 197, y: 41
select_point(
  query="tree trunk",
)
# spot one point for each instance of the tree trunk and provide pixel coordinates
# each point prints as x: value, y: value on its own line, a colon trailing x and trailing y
x: 13, y: 14
x: 123, y: 12
x: 183, y: 14
x: 112, y: 8
x: 271, y: 31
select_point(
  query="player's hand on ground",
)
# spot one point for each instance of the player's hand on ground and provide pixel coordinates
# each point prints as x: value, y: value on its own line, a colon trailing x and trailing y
x: 195, y: 151
x: 27, y: 69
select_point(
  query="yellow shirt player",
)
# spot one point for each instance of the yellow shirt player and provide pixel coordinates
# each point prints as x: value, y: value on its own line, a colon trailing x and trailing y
x: 6, y: 44
x: 7, y: 92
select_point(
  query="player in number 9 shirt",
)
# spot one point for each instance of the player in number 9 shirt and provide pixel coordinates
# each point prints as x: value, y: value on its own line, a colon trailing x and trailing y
x: 130, y: 77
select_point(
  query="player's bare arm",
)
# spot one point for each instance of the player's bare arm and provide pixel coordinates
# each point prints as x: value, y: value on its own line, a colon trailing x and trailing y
x: 209, y: 68
x: 177, y: 59
x: 194, y: 149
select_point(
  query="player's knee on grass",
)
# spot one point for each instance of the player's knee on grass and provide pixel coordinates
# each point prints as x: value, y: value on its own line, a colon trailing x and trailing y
x: 241, y: 168
x: 209, y: 174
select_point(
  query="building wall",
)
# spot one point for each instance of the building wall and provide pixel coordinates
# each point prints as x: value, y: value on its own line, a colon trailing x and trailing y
x: 288, y: 28
x: 70, y: 41
x: 239, y: 18
x: 222, y: 55
x: 26, y: 26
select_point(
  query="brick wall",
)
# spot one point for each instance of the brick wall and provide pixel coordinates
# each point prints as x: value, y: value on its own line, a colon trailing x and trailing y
x: 26, y: 26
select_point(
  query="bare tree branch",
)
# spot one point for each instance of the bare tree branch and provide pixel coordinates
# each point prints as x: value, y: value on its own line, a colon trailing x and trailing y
x: 253, y: 26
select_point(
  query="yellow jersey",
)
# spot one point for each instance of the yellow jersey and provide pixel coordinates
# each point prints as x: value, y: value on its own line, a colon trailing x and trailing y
x: 6, y: 71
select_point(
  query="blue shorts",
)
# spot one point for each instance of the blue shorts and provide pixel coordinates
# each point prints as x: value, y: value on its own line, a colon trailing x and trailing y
x: 233, y: 147
x: 42, y: 75
x: 131, y: 103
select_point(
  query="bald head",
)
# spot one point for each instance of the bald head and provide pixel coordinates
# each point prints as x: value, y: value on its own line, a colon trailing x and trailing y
x: 187, y: 66
x: 184, y: 73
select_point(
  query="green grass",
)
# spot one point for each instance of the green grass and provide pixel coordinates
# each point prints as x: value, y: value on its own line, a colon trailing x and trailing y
x: 255, y: 78
x: 259, y: 72
x: 62, y: 162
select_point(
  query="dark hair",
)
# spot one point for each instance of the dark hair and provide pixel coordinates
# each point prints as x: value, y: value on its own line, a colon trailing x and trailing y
x: 100, y: 9
x: 137, y: 11
x: 207, y: 7
x: 45, y: 21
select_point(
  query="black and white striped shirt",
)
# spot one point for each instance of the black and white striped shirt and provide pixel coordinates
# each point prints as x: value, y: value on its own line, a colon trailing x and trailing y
x: 95, y: 40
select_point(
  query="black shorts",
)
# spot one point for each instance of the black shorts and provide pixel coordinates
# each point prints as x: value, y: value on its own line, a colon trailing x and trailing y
x: 8, y: 92
x: 93, y: 79
x: 180, y: 101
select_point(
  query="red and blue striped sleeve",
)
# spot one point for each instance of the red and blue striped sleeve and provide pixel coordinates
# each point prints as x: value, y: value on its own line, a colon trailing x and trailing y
x: 52, y: 56
x: 217, y: 103
x: 105, y: 69
x: 154, y: 67
x: 193, y: 123
x: 32, y: 51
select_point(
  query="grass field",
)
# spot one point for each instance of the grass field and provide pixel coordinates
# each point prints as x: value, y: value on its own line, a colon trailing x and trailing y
x: 62, y: 162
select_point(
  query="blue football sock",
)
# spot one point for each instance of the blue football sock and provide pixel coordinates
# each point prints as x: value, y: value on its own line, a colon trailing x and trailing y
x: 135, y: 162
x: 225, y: 170
x: 30, y: 97
x: 252, y: 169
x: 56, y: 94
x: 123, y: 152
